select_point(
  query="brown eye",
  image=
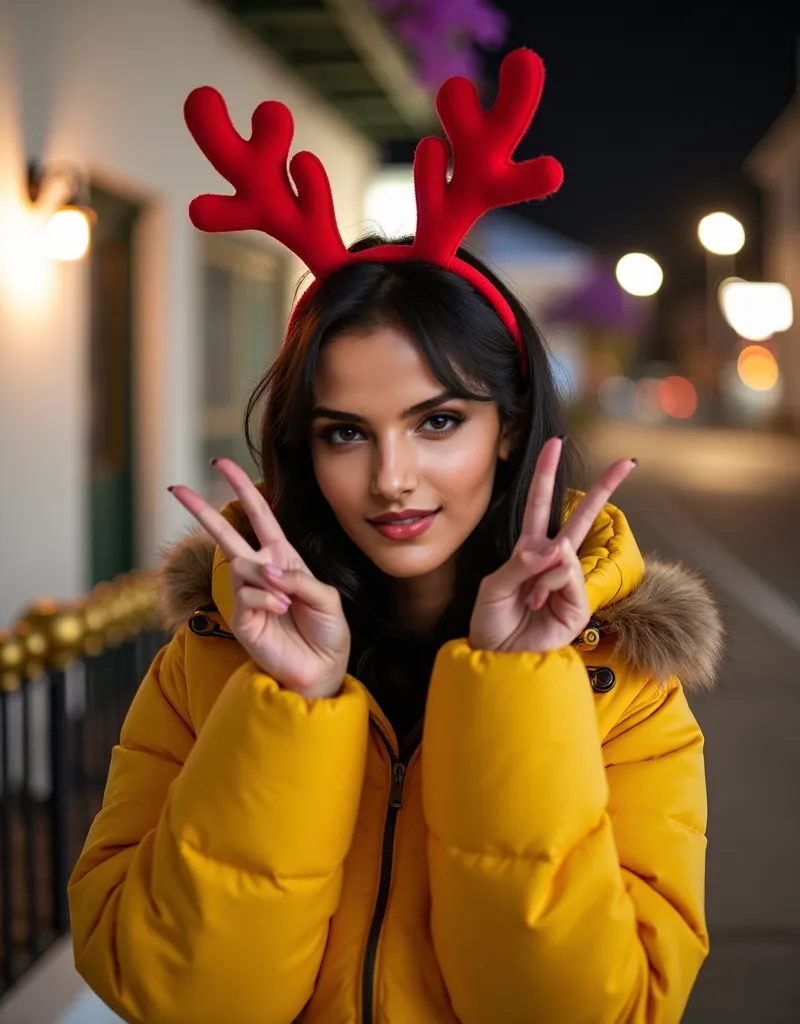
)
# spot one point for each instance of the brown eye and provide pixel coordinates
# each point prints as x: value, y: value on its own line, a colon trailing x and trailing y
x: 444, y: 422
x: 339, y: 435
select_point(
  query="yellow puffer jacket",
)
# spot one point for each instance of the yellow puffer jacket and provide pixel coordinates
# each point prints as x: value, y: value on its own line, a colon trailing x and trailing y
x: 538, y: 856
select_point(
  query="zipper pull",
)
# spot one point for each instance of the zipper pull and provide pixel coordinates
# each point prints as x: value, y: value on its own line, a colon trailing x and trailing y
x: 396, y: 796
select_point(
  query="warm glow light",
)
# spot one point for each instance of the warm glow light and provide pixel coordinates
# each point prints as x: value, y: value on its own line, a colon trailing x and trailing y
x: 757, y: 368
x: 67, y: 235
x: 678, y: 397
x: 721, y: 234
x: 639, y: 274
x: 390, y: 201
x: 26, y: 275
x: 756, y: 310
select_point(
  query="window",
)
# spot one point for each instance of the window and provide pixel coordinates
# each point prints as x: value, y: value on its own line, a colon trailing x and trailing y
x: 241, y: 303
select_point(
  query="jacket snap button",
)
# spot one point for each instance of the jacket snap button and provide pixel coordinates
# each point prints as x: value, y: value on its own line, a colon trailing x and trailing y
x: 602, y: 679
x: 201, y: 625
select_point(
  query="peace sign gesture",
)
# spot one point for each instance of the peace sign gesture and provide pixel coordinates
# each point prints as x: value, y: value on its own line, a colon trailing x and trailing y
x: 537, y: 600
x: 290, y: 623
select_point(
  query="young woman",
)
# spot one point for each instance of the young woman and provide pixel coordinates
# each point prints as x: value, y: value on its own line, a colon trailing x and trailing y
x: 418, y: 750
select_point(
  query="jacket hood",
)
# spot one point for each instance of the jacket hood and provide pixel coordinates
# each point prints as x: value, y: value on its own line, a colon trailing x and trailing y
x: 663, y: 615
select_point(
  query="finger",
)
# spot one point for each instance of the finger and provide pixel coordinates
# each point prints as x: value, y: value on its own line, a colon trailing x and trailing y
x: 540, y: 495
x: 248, y: 572
x: 551, y: 582
x: 517, y: 571
x: 229, y: 539
x: 301, y: 584
x: 261, y: 516
x: 577, y: 527
x: 263, y: 600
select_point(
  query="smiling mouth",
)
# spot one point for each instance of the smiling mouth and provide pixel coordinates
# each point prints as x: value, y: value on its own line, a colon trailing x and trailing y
x: 406, y: 528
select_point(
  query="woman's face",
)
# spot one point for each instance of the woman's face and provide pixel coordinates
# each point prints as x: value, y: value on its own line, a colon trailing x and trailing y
x: 385, y: 439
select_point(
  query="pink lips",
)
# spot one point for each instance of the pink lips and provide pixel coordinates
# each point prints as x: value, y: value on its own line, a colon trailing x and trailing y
x: 395, y: 530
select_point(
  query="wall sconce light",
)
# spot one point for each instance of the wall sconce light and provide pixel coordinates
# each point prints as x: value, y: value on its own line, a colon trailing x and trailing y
x: 69, y: 229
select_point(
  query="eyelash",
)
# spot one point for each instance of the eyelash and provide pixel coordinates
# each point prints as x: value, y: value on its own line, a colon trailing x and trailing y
x: 456, y: 419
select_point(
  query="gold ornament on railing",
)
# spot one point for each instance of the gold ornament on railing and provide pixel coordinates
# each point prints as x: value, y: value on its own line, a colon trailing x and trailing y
x: 53, y: 634
x: 12, y: 661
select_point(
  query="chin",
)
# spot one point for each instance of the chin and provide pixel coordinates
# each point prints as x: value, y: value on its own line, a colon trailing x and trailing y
x: 404, y: 562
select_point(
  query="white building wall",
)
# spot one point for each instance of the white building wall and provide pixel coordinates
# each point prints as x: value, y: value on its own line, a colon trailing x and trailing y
x: 782, y: 263
x: 103, y: 84
x: 775, y: 166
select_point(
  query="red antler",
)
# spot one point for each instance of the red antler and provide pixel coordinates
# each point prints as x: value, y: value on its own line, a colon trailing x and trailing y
x: 304, y: 222
x: 483, y: 143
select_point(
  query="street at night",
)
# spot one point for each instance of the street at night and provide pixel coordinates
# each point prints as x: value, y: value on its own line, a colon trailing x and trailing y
x: 728, y: 504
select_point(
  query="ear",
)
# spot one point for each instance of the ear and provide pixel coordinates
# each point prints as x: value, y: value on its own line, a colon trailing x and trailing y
x: 504, y: 444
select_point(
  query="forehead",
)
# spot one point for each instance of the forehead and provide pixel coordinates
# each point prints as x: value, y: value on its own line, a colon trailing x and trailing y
x: 380, y: 370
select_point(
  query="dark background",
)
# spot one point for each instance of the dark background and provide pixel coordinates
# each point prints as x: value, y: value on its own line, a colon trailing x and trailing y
x: 653, y: 114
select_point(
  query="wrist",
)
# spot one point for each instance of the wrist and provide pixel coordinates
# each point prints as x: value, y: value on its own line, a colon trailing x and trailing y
x: 323, y: 689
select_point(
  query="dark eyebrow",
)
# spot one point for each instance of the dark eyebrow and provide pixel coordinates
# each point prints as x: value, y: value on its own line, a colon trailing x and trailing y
x: 413, y: 410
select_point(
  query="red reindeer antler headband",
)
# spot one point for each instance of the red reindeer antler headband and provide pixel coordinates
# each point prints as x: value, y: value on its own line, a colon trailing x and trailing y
x: 484, y: 177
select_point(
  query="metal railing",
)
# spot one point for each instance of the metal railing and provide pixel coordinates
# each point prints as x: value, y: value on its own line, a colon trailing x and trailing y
x: 68, y: 673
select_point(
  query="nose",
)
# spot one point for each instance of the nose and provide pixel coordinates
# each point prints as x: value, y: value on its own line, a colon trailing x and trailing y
x: 394, y: 469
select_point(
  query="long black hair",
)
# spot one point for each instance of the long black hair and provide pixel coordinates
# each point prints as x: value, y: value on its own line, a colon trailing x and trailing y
x: 471, y: 352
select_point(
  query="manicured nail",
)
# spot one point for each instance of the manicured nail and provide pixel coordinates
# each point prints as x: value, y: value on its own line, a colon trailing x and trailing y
x: 213, y: 462
x: 171, y: 489
x: 274, y: 571
x: 635, y: 462
x: 562, y: 437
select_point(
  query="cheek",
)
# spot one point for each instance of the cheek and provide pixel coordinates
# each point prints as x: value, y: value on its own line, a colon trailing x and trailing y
x: 464, y: 472
x: 339, y: 479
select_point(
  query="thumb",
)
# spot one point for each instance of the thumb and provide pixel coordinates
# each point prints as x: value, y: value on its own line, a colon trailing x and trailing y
x: 302, y: 584
x: 521, y: 567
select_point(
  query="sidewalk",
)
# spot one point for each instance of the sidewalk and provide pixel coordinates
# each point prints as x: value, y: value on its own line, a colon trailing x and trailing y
x: 703, y: 458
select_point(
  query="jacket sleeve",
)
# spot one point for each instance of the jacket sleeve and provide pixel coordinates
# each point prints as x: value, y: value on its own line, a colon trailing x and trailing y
x: 567, y: 876
x: 206, y: 885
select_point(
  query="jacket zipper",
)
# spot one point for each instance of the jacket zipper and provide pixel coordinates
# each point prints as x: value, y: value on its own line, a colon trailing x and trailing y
x: 399, y: 768
x: 202, y: 625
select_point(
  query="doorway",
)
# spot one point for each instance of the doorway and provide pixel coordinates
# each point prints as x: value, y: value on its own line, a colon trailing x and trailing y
x: 111, y: 497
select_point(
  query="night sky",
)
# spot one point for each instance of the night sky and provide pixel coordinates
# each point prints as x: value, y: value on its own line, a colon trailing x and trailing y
x: 652, y: 117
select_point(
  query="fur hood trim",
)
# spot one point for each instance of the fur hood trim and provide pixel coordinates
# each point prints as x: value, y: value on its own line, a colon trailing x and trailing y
x: 669, y: 625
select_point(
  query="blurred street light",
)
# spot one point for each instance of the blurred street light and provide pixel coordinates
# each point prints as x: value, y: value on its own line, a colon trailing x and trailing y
x: 721, y: 234
x: 678, y: 397
x: 757, y: 368
x: 639, y: 274
x: 754, y: 309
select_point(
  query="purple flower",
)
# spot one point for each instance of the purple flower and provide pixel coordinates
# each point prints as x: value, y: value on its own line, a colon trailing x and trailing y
x: 442, y: 34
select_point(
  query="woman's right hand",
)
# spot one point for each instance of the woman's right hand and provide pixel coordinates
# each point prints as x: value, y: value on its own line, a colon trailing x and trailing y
x: 290, y: 623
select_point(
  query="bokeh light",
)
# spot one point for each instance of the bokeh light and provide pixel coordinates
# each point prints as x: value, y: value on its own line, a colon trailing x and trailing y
x: 648, y: 408
x: 639, y: 274
x: 617, y: 396
x: 756, y: 309
x: 67, y: 235
x: 758, y: 368
x: 721, y: 234
x: 678, y: 397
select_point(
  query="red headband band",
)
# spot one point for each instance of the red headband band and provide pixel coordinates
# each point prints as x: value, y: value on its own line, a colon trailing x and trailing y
x: 484, y: 178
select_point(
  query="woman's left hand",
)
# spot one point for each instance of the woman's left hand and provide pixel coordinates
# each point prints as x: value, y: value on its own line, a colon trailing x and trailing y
x: 537, y: 601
